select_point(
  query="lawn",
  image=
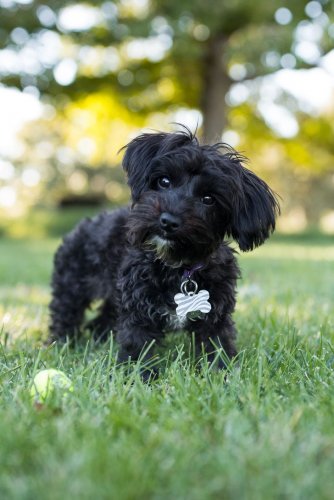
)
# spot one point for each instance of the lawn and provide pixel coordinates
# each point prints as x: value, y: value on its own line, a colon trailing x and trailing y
x: 265, y: 432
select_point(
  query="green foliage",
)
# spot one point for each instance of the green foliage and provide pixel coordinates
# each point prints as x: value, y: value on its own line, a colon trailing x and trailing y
x: 118, y: 85
x: 263, y: 432
x: 188, y: 28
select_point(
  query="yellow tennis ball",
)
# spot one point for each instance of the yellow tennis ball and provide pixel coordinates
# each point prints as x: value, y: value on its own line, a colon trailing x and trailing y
x: 48, y: 384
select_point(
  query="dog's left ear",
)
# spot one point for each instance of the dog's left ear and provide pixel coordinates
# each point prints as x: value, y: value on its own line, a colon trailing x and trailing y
x: 139, y: 154
x: 255, y: 211
x: 141, y: 151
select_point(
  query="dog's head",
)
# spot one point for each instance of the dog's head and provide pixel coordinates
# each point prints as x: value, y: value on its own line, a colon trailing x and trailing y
x: 188, y: 197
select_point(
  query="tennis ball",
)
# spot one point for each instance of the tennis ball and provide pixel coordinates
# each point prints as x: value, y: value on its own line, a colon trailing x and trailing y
x: 48, y: 384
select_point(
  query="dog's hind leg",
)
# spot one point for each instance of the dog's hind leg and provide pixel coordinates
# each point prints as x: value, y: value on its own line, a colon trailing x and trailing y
x: 69, y: 292
x: 104, y: 323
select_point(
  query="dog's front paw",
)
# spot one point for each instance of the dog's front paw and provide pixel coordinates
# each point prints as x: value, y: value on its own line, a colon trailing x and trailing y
x: 149, y: 374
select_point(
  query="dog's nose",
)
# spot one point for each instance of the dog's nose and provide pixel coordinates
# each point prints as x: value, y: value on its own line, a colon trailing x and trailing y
x: 169, y: 222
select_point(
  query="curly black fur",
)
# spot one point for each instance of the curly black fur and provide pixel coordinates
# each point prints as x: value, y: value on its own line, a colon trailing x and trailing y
x: 134, y: 261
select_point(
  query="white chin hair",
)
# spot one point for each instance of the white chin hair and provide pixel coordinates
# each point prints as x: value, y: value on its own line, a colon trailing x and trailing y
x: 160, y: 245
x: 162, y: 249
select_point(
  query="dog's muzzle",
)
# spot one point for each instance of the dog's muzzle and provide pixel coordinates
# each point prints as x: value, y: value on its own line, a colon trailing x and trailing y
x: 169, y: 223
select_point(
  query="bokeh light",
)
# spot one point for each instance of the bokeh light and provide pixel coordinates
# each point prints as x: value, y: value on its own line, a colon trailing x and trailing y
x: 92, y: 75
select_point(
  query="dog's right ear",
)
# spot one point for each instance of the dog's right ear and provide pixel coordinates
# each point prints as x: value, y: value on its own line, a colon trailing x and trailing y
x: 137, y: 160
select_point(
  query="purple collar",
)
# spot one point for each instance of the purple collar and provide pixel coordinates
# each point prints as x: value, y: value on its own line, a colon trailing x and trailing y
x: 187, y: 273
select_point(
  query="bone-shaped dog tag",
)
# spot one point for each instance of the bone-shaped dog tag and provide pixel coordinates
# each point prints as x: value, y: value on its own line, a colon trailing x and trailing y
x: 189, y: 302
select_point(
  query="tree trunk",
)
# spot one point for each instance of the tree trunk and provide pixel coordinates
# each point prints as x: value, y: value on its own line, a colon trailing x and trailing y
x: 216, y: 84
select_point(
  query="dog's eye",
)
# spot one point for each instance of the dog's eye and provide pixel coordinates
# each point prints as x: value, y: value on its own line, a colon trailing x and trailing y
x: 164, y: 182
x: 208, y: 199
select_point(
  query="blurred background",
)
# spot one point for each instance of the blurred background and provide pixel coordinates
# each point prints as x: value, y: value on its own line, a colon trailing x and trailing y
x: 79, y: 80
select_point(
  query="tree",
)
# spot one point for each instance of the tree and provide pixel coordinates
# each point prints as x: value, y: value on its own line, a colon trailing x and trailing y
x: 159, y: 54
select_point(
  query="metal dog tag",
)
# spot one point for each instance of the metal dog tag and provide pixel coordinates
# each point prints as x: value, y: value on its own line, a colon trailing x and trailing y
x: 190, y: 303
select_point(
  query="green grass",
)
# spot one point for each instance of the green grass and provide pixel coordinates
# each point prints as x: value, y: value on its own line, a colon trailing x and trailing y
x: 39, y: 223
x: 266, y: 432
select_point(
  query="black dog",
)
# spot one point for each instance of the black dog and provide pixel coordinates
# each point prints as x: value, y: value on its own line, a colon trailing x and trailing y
x: 164, y: 263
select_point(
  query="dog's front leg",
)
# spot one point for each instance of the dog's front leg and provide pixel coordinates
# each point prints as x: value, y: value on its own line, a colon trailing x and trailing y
x: 141, y: 321
x: 211, y: 337
x: 137, y: 342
